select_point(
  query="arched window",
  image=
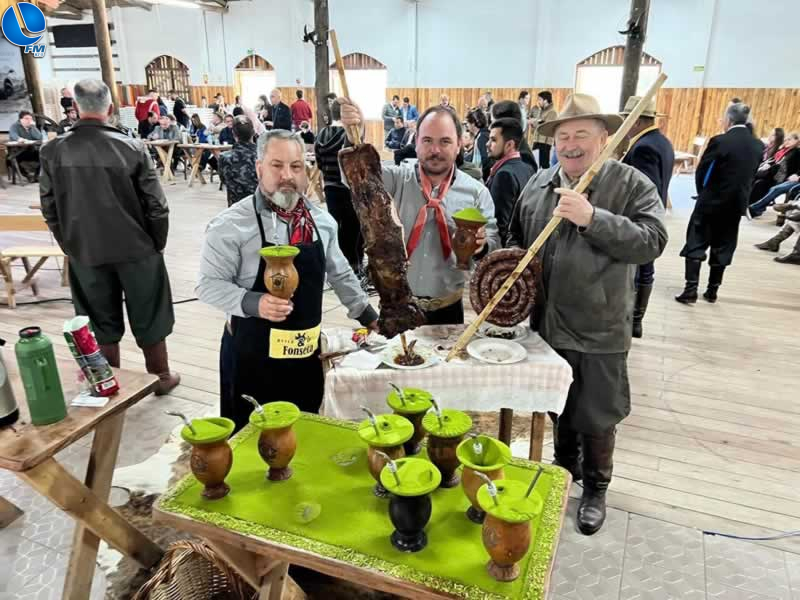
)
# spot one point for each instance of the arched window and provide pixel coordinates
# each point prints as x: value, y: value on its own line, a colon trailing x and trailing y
x: 366, y: 78
x: 165, y: 73
x: 253, y: 77
x: 601, y: 76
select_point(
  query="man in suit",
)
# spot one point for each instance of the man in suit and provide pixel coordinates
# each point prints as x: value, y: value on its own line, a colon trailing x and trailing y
x: 390, y: 112
x: 281, y: 114
x: 408, y: 111
x: 650, y: 152
x: 509, y: 173
x: 723, y: 179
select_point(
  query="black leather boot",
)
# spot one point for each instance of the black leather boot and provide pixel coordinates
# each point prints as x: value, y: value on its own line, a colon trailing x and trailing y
x: 598, y: 464
x: 689, y: 295
x: 714, y: 281
x: 567, y: 448
x: 640, y: 308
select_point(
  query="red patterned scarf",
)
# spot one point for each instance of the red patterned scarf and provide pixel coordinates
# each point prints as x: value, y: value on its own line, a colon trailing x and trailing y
x: 301, y: 225
x: 438, y: 213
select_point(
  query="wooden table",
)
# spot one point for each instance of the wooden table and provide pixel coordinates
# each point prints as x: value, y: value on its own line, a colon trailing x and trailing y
x: 14, y: 149
x: 29, y: 452
x: 165, y: 149
x: 194, y: 153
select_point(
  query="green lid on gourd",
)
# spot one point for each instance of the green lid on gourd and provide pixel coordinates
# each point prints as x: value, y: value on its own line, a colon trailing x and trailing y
x: 483, y: 453
x: 416, y: 401
x: 279, y: 251
x: 417, y: 477
x: 470, y: 214
x: 208, y: 430
x: 276, y: 415
x: 454, y: 423
x: 512, y: 505
x: 394, y: 430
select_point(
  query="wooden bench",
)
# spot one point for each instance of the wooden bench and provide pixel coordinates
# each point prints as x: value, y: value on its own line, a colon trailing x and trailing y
x: 22, y: 223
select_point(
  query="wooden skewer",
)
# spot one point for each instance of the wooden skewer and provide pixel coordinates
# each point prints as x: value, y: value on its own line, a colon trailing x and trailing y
x: 537, y: 244
x: 404, y: 343
x: 355, y: 133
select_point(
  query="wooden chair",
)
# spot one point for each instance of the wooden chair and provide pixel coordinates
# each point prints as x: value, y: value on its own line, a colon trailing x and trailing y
x: 697, y: 147
x: 8, y: 255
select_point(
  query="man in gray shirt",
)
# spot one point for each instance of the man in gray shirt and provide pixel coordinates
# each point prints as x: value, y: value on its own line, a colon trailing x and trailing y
x: 420, y: 192
x: 270, y: 346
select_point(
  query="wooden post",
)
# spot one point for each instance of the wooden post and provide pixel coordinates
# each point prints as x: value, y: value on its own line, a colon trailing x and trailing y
x: 506, y: 420
x: 104, y: 49
x: 33, y: 82
x: 636, y: 33
x: 321, y: 59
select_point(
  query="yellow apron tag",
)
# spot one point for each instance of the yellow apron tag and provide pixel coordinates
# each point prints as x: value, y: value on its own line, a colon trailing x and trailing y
x: 284, y: 343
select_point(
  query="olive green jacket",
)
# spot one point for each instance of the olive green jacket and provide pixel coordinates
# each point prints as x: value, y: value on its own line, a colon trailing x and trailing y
x: 588, y: 276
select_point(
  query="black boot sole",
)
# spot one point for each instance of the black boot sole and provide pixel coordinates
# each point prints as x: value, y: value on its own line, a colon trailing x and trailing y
x: 686, y: 300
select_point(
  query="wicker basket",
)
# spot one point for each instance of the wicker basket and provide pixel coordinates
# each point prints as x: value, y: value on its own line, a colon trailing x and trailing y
x: 193, y: 570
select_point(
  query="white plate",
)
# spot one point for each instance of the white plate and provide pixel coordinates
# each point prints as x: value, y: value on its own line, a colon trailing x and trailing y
x: 519, y: 332
x: 497, y: 352
x: 395, y: 348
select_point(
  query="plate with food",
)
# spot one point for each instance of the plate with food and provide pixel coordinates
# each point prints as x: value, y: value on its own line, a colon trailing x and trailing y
x: 516, y: 333
x: 416, y: 357
x: 497, y: 352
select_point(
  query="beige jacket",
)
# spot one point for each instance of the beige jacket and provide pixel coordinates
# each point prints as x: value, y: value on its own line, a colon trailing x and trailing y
x: 545, y: 116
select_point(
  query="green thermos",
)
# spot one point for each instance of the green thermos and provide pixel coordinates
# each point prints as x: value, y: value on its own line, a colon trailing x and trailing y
x: 39, y: 374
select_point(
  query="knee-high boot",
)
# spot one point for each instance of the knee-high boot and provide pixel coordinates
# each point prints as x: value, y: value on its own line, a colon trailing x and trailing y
x: 567, y: 447
x: 598, y: 464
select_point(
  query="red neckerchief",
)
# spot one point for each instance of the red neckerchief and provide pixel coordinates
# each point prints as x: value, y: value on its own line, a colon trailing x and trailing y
x: 780, y: 154
x: 438, y: 213
x: 301, y: 226
x: 496, y: 167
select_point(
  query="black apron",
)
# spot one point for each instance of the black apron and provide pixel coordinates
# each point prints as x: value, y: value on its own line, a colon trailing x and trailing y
x: 277, y: 361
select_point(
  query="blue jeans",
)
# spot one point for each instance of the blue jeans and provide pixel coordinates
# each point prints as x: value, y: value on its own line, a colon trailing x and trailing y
x: 758, y: 208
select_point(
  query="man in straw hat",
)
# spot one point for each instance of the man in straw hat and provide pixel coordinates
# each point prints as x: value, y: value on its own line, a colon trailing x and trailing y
x: 589, y: 265
x: 650, y: 152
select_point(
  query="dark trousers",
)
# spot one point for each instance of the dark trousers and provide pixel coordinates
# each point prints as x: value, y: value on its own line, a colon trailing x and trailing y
x: 717, y: 231
x: 646, y: 274
x: 340, y: 205
x: 98, y: 293
x: 449, y: 315
x: 544, y: 154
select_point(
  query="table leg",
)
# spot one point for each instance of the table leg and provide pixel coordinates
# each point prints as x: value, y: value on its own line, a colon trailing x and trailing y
x: 8, y: 276
x: 163, y: 156
x: 168, y: 164
x: 57, y: 484
x: 506, y: 418
x: 99, y: 473
x: 537, y: 437
x: 198, y: 155
x: 273, y: 586
x: 65, y: 272
x: 9, y: 512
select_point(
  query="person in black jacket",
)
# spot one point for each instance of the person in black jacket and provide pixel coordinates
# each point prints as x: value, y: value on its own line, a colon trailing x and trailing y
x: 179, y: 109
x: 506, y: 109
x: 723, y: 179
x: 394, y: 140
x: 476, y: 123
x: 115, y: 243
x: 509, y: 173
x: 337, y: 196
x: 650, y: 152
x: 281, y: 114
x: 408, y: 147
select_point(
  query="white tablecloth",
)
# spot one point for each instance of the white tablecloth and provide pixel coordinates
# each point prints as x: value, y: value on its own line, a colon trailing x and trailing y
x: 537, y: 384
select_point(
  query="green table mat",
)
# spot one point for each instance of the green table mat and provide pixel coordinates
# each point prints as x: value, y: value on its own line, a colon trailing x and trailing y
x: 328, y: 508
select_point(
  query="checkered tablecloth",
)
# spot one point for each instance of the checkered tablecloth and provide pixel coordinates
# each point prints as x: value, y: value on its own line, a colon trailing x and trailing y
x: 537, y: 384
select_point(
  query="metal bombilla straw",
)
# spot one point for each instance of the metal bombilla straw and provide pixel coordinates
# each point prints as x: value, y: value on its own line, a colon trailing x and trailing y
x: 400, y: 393
x: 489, y: 486
x: 391, y: 464
x: 184, y: 418
x: 259, y: 409
x: 372, y: 420
x: 438, y: 412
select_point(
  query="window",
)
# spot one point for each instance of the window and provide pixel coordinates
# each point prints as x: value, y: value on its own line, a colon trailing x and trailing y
x: 366, y: 79
x: 601, y: 76
x: 167, y: 73
x: 254, y: 77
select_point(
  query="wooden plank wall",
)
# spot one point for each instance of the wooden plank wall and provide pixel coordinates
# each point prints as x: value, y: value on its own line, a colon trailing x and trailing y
x: 691, y: 111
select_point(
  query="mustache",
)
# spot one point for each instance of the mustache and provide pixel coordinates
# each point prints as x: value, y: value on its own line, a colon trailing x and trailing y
x: 287, y: 184
x: 572, y: 153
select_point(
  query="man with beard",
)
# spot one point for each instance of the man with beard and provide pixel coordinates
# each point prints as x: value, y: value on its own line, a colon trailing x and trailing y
x: 589, y: 264
x: 270, y: 346
x: 509, y: 173
x: 426, y: 195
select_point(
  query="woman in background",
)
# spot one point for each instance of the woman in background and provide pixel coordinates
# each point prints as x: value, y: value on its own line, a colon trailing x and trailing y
x: 477, y: 125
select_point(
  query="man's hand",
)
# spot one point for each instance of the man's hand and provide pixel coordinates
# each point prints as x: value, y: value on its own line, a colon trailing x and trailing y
x: 794, y: 178
x: 351, y: 116
x: 273, y: 308
x: 373, y: 326
x: 480, y: 239
x: 574, y: 207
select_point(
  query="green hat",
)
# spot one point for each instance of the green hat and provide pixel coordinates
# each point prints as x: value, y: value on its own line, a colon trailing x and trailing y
x: 416, y: 401
x: 512, y: 505
x: 394, y: 430
x: 276, y: 415
x: 455, y: 423
x: 417, y: 477
x: 493, y: 454
x: 208, y: 430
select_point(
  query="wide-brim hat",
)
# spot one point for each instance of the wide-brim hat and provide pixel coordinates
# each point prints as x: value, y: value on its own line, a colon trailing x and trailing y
x: 649, y: 110
x: 581, y: 106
